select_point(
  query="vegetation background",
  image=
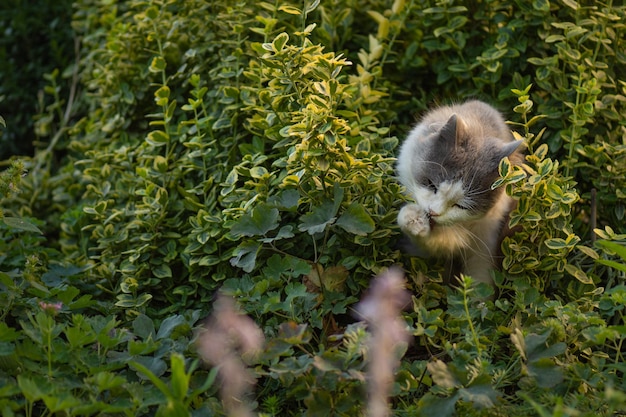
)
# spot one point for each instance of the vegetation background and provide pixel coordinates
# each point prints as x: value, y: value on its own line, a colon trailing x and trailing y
x: 181, y: 148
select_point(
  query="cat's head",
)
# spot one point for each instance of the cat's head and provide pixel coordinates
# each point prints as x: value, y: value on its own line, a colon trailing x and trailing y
x: 449, y: 172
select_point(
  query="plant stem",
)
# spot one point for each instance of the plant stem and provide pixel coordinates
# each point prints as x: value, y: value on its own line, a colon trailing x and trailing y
x: 469, y: 318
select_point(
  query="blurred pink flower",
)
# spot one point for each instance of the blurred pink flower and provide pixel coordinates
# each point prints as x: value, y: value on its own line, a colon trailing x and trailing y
x: 226, y: 334
x: 52, y: 308
x: 381, y: 308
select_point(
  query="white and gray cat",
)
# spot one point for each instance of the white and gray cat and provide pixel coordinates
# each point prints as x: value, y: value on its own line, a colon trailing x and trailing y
x: 447, y: 165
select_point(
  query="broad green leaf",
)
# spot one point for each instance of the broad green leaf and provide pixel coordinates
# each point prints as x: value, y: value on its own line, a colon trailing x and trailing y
x: 20, y: 223
x: 8, y: 334
x: 60, y: 402
x: 356, y: 220
x: 323, y: 215
x: 285, y: 200
x: 144, y: 327
x: 107, y: 380
x: 162, y: 271
x: 317, y: 220
x: 285, y: 232
x: 31, y: 391
x: 434, y: 405
x: 245, y: 255
x: 168, y: 325
x: 545, y: 372
x: 258, y: 222
x: 481, y: 395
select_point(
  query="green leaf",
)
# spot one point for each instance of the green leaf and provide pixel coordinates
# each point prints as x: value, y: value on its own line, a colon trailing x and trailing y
x: 613, y: 264
x: 168, y: 325
x: 434, y: 405
x: 317, y: 220
x: 556, y: 243
x: 258, y: 222
x: 545, y: 372
x: 578, y: 273
x: 541, y: 5
x: 157, y: 138
x: 144, y: 327
x: 588, y: 251
x: 285, y: 232
x: 180, y: 378
x: 620, y: 250
x: 279, y: 42
x: 245, y: 255
x: 20, y: 223
x: 158, y: 64
x: 258, y: 172
x: 290, y: 10
x: 29, y: 388
x: 162, y: 271
x: 482, y: 395
x: 323, y: 215
x: 152, y: 377
x: 285, y: 200
x: 356, y: 220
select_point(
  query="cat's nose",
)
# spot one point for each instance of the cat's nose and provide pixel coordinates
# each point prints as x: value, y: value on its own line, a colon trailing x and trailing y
x: 432, y: 213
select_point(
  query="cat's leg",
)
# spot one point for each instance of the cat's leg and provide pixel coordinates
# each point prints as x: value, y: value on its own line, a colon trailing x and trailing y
x: 414, y: 221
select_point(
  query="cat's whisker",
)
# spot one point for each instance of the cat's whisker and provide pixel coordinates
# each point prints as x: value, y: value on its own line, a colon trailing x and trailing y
x: 438, y: 165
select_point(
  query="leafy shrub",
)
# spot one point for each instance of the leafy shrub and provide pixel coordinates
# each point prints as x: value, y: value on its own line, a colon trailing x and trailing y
x: 37, y: 38
x: 249, y: 148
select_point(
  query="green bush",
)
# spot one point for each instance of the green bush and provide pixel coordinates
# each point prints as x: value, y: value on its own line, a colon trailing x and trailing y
x: 249, y: 147
x: 37, y: 37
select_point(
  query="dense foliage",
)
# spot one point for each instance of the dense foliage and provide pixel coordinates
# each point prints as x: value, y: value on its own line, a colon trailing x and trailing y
x: 249, y: 148
x: 36, y: 38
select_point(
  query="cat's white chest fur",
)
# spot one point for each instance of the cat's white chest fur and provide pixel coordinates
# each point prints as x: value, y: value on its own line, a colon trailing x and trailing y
x: 447, y: 165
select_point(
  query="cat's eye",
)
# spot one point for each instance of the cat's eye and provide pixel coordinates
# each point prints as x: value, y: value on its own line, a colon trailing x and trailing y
x: 430, y: 185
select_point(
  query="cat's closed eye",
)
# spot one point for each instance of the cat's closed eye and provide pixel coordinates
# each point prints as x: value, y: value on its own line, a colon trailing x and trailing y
x: 430, y: 185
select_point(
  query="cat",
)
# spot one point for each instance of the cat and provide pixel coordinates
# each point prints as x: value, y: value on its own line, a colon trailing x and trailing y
x: 447, y: 165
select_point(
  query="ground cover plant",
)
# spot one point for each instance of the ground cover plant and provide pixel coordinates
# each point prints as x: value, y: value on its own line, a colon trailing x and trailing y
x: 247, y: 149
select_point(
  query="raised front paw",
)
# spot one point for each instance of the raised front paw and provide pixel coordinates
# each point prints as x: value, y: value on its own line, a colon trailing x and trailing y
x: 414, y: 221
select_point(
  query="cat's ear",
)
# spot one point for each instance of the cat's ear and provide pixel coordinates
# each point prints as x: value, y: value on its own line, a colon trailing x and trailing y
x: 510, y: 147
x: 450, y: 133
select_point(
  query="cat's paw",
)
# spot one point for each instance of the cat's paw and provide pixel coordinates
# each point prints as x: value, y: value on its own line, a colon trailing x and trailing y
x: 414, y: 221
